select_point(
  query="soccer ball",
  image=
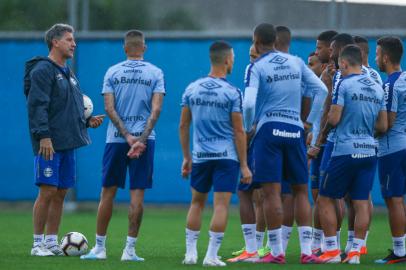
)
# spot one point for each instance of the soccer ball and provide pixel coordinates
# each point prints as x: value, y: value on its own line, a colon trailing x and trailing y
x: 87, y: 102
x: 74, y: 244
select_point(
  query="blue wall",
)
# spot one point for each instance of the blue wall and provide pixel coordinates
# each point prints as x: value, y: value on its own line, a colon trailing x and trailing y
x: 182, y: 62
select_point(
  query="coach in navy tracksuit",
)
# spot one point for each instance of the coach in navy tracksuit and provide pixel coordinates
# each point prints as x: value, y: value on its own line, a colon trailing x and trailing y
x: 57, y: 127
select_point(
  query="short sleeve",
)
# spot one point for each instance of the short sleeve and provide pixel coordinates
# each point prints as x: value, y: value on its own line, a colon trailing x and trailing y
x: 186, y: 98
x: 252, y: 76
x: 160, y: 83
x: 237, y: 101
x: 338, y: 94
x: 108, y: 83
x: 393, y: 93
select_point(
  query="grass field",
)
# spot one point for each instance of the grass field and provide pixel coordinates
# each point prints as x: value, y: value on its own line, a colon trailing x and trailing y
x: 161, y: 242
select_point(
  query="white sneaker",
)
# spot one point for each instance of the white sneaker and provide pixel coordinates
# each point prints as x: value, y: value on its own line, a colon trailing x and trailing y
x: 129, y: 255
x: 55, y: 249
x: 41, y: 251
x: 213, y: 262
x: 190, y: 259
x: 95, y: 254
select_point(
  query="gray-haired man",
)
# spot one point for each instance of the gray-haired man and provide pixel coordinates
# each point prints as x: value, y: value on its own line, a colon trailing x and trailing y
x: 57, y: 127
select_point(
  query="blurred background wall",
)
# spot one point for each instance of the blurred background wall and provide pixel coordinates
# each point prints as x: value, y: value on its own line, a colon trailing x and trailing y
x: 182, y: 53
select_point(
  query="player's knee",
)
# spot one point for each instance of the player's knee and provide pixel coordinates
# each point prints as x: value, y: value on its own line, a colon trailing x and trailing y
x: 137, y: 205
x: 47, y: 193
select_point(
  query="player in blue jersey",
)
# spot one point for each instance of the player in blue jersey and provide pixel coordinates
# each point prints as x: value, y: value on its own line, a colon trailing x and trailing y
x: 273, y: 98
x: 252, y: 219
x: 57, y: 126
x: 133, y: 93
x: 392, y: 146
x: 323, y: 53
x: 331, y: 76
x: 214, y: 108
x: 363, y: 44
x: 357, y: 113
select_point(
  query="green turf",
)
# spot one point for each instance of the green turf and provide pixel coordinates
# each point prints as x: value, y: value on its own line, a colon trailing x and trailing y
x: 161, y: 242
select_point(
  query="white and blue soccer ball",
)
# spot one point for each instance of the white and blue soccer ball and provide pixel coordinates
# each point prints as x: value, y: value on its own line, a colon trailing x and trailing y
x: 88, y: 104
x: 74, y: 244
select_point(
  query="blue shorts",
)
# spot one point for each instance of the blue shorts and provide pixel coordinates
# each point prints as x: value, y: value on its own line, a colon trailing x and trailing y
x: 315, y: 170
x: 221, y: 174
x: 327, y: 152
x: 392, y: 174
x: 280, y: 153
x: 252, y: 186
x: 116, y: 162
x: 348, y: 174
x: 285, y: 187
x: 59, y: 172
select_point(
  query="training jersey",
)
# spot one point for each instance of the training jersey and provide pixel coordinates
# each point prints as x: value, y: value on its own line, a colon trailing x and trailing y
x: 395, y: 94
x: 318, y: 99
x: 133, y: 82
x: 336, y: 79
x: 374, y: 74
x: 211, y: 102
x: 274, y: 85
x: 362, y: 99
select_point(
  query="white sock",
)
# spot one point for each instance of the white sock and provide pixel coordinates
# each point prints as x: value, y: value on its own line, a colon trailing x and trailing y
x: 323, y: 243
x: 349, y: 241
x: 260, y: 239
x: 248, y: 231
x: 100, y: 241
x: 317, y: 237
x: 191, y: 241
x: 399, y: 246
x: 51, y: 240
x: 130, y: 243
x: 356, y: 244
x: 214, y: 244
x: 275, y: 241
x: 305, y: 238
x: 339, y: 240
x: 366, y: 238
x: 330, y: 243
x: 38, y: 238
x: 286, y: 231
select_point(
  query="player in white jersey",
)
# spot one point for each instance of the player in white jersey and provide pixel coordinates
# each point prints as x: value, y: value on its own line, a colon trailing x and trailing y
x: 363, y: 44
x: 214, y: 108
x: 357, y: 113
x: 392, y: 146
x: 272, y: 101
x: 133, y: 93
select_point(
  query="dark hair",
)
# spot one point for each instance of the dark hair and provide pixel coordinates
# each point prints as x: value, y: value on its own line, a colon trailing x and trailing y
x: 56, y: 32
x: 219, y: 50
x: 343, y: 39
x: 391, y: 46
x: 327, y: 36
x: 362, y: 43
x: 283, y: 35
x: 352, y: 53
x: 265, y: 33
x: 133, y: 38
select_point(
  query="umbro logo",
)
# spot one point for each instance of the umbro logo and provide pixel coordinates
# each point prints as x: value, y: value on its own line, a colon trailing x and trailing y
x: 210, y: 85
x: 366, y: 81
x: 59, y: 77
x: 133, y: 64
x: 278, y: 59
